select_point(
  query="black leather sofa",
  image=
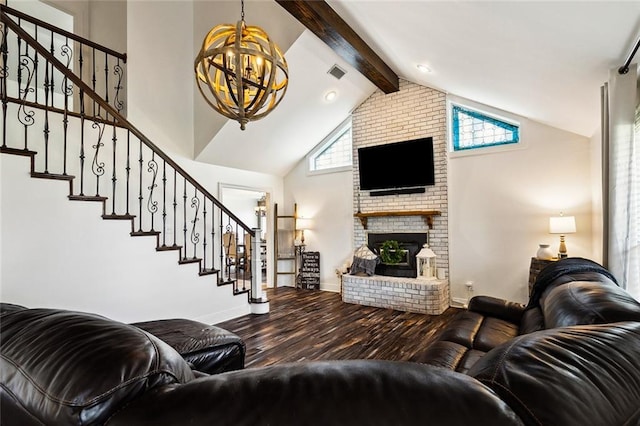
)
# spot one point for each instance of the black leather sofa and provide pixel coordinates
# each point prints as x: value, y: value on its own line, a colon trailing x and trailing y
x: 581, y: 366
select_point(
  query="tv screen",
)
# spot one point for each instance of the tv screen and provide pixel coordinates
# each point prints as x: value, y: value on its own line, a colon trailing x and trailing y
x: 397, y: 165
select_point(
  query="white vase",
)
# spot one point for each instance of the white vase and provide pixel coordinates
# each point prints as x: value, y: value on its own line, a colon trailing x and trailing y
x: 544, y: 252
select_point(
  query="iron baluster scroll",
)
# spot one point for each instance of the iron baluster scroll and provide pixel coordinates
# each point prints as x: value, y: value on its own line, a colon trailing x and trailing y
x: 195, y: 236
x: 152, y: 205
x: 52, y: 82
x: 25, y: 116
x: 97, y: 166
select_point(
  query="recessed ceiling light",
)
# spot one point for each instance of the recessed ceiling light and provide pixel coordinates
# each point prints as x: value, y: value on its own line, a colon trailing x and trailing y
x: 330, y: 96
x: 423, y: 68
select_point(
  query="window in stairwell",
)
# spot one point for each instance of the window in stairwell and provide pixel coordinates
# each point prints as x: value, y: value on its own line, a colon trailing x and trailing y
x: 333, y: 154
x: 474, y: 129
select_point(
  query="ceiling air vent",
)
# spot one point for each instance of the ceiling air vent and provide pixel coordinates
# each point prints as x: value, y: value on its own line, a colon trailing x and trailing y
x: 337, y: 72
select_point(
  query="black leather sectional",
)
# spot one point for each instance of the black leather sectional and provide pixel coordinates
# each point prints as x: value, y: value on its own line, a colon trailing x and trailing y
x: 570, y: 357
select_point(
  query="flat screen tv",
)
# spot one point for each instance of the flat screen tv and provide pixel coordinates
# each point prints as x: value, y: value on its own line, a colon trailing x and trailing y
x: 397, y: 165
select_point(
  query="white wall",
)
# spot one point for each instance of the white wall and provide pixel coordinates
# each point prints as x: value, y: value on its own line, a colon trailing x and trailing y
x: 500, y: 204
x: 499, y: 208
x: 160, y: 72
x: 47, y: 262
x: 327, y: 200
x: 58, y: 253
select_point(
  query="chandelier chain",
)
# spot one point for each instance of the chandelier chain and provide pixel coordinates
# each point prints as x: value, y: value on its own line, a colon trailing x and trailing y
x: 242, y: 10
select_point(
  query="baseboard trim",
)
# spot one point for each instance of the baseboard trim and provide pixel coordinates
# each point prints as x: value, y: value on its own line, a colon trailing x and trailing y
x: 458, y: 302
x: 225, y: 315
x: 332, y: 287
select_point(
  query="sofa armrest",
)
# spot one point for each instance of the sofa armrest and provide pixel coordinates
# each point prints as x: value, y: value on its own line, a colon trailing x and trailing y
x: 498, y: 308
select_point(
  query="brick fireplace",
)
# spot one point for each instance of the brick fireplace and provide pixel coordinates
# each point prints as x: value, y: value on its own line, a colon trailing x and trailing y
x: 413, y: 112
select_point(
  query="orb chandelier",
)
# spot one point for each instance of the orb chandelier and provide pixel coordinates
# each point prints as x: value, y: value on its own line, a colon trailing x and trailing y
x: 241, y: 72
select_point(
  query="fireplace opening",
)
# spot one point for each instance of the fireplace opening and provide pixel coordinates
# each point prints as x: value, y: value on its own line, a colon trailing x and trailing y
x: 409, y: 243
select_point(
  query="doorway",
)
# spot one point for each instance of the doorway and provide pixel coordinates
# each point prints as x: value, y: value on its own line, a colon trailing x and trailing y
x: 253, y: 207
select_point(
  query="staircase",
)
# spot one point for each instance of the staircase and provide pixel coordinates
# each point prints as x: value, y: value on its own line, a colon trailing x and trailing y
x: 63, y: 109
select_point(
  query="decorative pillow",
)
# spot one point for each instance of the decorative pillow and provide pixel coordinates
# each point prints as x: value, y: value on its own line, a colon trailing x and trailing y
x: 364, y: 261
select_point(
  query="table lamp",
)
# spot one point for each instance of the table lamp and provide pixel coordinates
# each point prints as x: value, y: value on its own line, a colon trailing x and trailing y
x: 562, y: 225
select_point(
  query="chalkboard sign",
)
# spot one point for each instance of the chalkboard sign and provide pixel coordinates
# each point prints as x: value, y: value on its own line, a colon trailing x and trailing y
x: 309, y: 276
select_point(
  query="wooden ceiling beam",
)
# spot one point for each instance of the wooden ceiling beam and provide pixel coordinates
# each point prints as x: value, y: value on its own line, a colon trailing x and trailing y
x: 325, y: 23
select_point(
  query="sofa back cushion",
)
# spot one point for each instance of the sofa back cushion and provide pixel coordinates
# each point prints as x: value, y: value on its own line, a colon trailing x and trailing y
x: 61, y: 367
x: 327, y: 393
x: 585, y: 302
x: 580, y: 375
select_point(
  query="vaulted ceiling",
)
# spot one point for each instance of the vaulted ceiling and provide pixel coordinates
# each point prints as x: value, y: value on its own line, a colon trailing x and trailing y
x: 542, y: 60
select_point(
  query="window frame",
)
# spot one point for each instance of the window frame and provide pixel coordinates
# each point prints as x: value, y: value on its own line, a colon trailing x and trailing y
x: 326, y: 142
x: 488, y: 112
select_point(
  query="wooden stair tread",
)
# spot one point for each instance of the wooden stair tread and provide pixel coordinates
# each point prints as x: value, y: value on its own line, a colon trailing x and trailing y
x: 190, y: 260
x: 237, y: 292
x: 53, y: 176
x: 87, y: 198
x: 118, y: 216
x: 144, y: 233
x: 16, y: 151
x: 208, y: 271
x: 169, y: 248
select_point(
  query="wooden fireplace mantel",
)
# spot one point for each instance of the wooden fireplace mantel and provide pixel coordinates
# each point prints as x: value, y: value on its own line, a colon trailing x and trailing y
x: 426, y: 214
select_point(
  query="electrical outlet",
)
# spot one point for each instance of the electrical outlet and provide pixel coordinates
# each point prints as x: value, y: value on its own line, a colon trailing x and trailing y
x: 469, y: 285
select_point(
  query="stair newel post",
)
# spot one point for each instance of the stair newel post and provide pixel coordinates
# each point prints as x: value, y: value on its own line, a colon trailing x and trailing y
x: 128, y: 169
x: 4, y: 70
x: 256, y: 267
x: 164, y: 203
x: 140, y: 193
x: 114, y: 177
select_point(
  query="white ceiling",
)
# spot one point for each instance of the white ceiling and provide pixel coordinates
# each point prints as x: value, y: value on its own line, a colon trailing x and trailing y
x: 544, y: 60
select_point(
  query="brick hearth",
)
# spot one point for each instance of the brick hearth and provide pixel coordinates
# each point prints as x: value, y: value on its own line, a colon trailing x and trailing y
x: 403, y: 294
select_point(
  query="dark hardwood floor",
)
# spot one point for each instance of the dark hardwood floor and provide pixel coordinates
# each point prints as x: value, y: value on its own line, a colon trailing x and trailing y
x: 305, y: 325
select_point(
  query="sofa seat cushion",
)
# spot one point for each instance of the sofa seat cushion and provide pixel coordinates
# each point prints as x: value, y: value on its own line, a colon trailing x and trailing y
x: 207, y: 348
x: 449, y: 355
x: 579, y: 375
x: 476, y: 331
x: 61, y: 367
x: 585, y: 302
x: 466, y: 339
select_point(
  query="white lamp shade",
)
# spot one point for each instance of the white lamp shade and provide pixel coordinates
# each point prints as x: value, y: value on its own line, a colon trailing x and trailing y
x: 562, y: 225
x: 303, y: 223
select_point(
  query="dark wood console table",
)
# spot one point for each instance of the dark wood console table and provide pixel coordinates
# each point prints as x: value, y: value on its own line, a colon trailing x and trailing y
x: 426, y: 214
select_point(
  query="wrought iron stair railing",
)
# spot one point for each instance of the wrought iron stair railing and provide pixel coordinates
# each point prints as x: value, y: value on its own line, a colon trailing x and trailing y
x: 62, y: 99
